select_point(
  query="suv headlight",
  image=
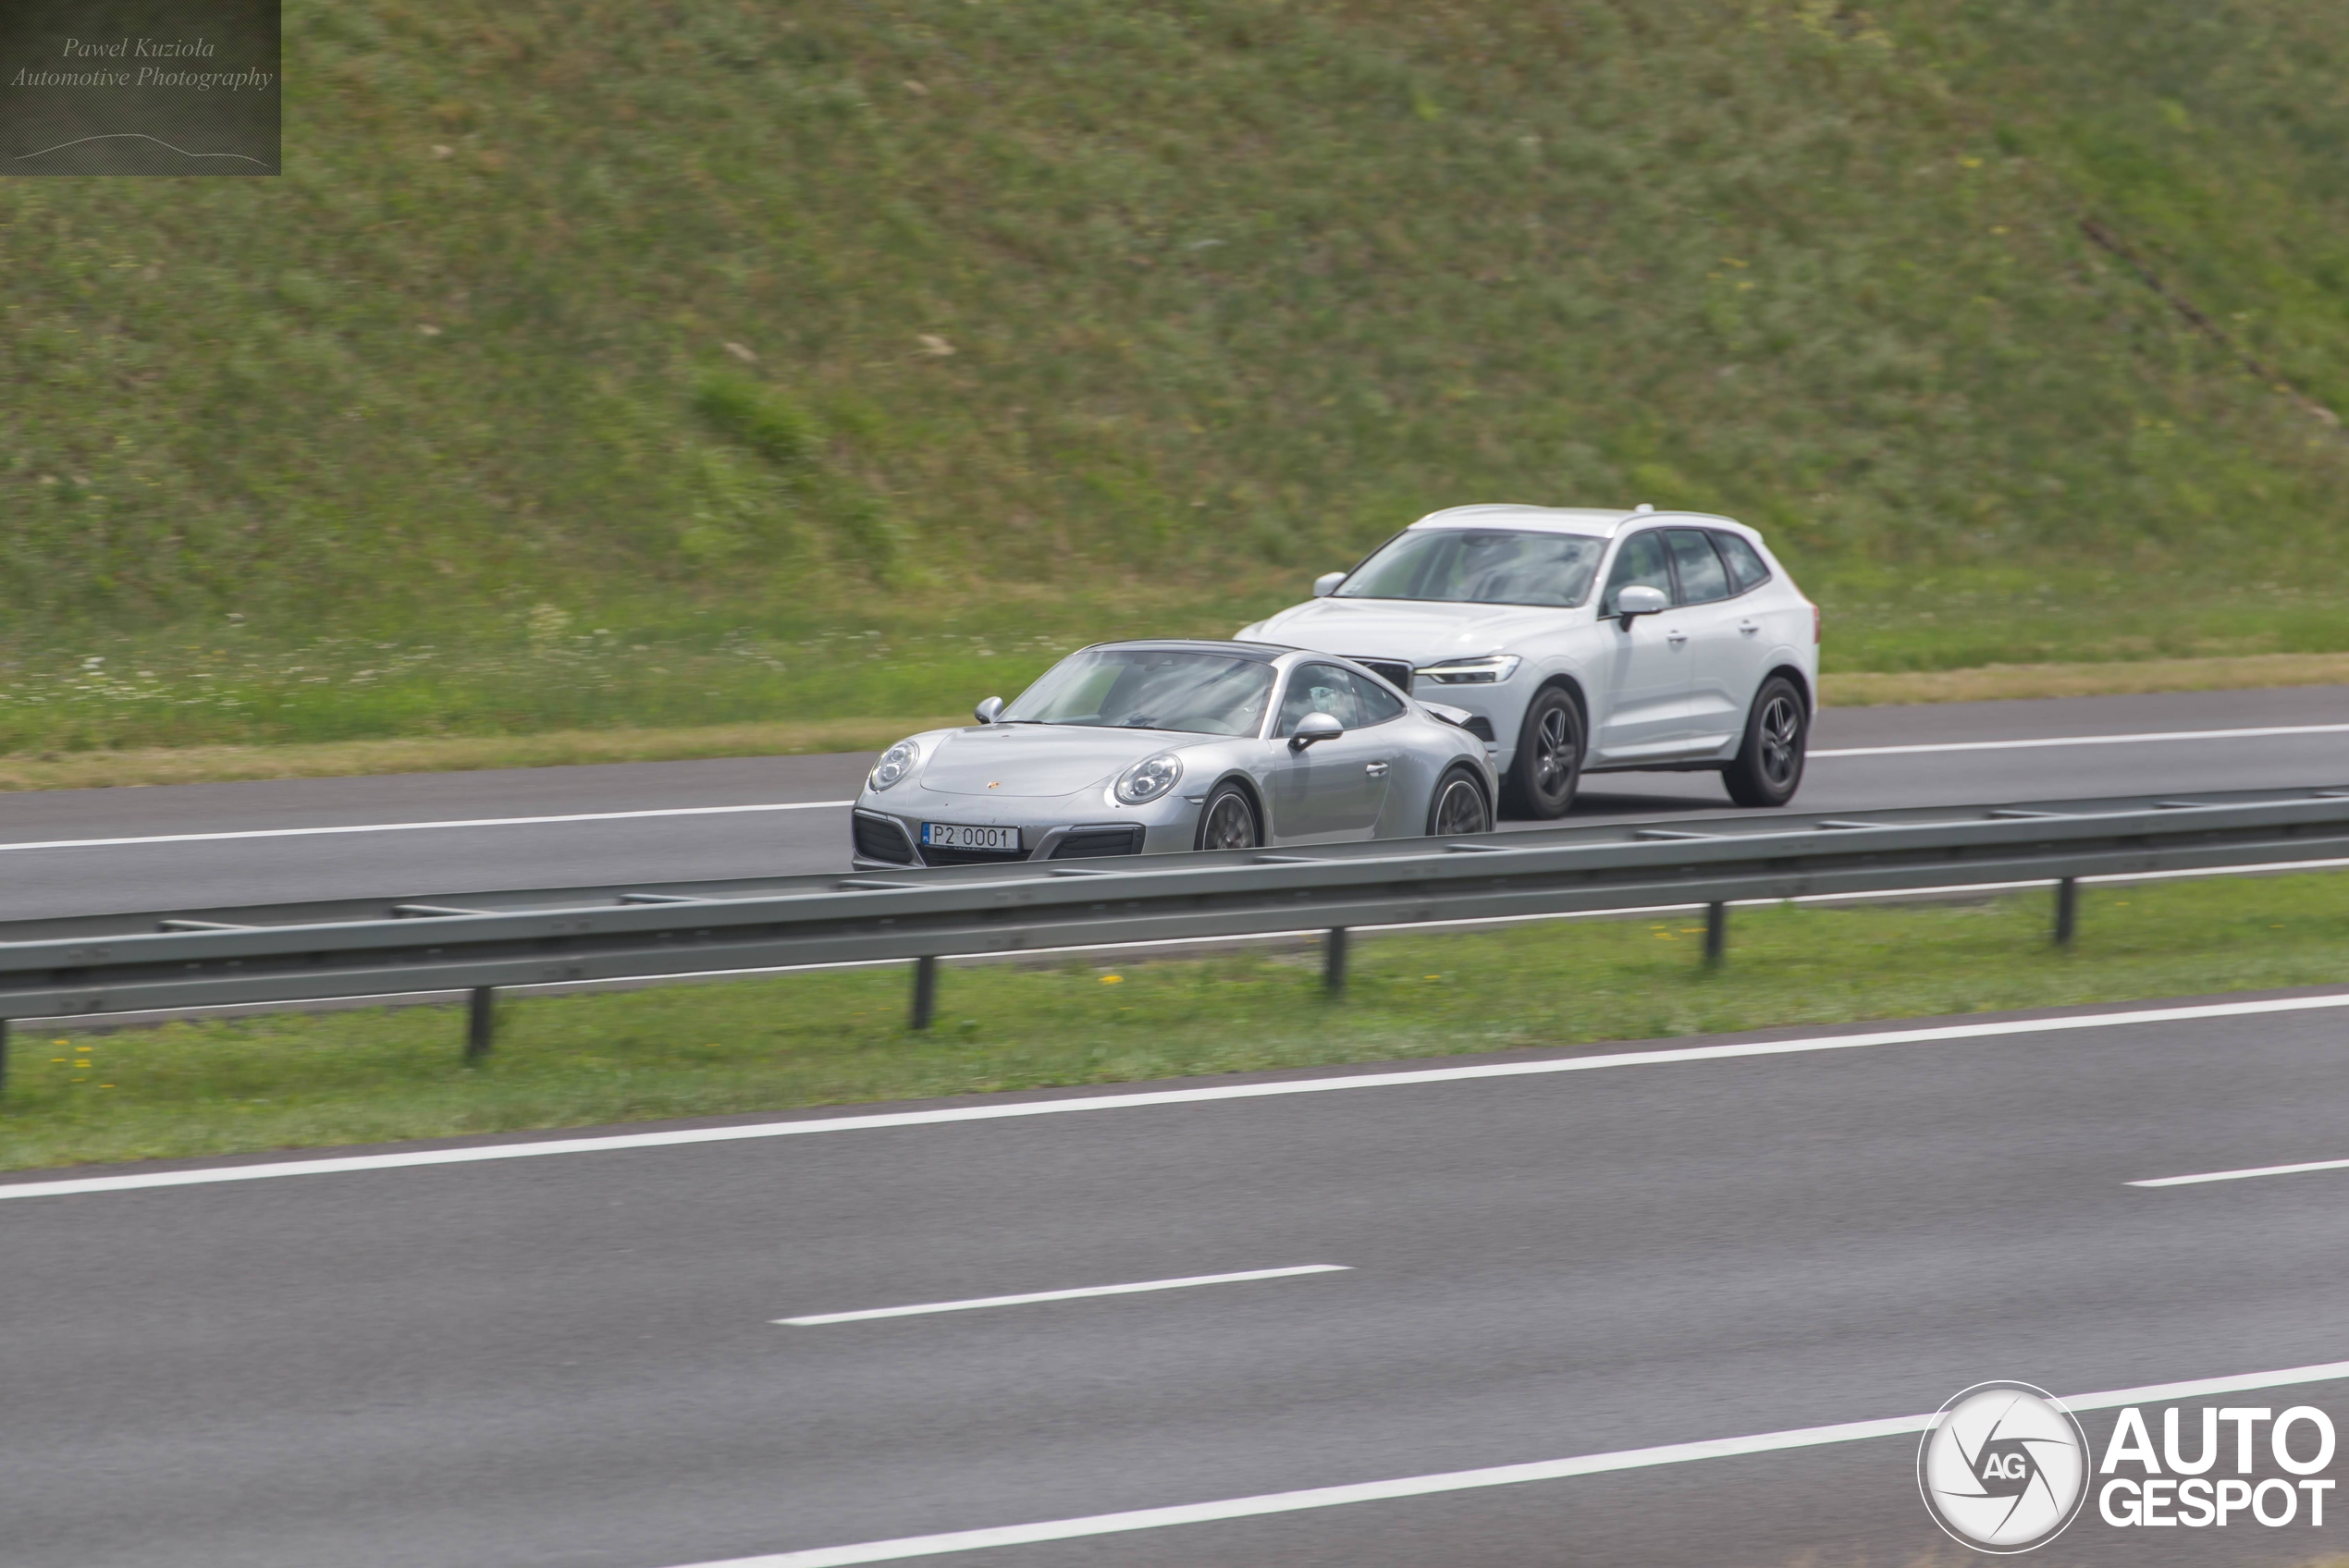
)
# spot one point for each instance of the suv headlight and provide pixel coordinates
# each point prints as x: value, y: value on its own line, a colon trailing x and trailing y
x: 1150, y: 778
x: 1473, y: 672
x: 894, y: 765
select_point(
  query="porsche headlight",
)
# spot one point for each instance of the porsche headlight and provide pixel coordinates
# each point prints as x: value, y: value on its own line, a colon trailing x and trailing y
x: 895, y: 764
x: 1150, y: 778
x: 1473, y: 672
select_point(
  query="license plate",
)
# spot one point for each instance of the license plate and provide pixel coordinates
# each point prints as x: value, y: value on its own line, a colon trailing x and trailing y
x: 954, y: 836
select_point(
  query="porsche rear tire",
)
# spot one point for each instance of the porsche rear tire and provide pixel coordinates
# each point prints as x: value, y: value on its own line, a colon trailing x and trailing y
x: 1458, y: 806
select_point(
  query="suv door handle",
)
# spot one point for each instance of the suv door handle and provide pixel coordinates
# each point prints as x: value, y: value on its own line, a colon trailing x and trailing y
x: 1375, y: 769
x: 1675, y: 638
x: 1749, y: 626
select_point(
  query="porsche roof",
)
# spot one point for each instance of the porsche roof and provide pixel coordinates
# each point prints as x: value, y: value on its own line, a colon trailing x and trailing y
x: 1262, y: 653
x: 1598, y: 521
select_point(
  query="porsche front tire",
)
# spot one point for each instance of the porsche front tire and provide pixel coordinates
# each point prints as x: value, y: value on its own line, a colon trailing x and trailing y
x: 1228, y: 821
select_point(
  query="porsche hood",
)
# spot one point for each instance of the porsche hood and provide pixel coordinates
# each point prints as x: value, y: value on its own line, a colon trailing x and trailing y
x: 1011, y: 760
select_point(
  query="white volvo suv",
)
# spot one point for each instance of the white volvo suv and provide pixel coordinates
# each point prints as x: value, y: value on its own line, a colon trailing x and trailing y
x: 1585, y: 641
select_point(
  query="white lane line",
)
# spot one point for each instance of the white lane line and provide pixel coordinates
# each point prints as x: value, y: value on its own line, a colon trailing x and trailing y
x: 1470, y: 1480
x: 977, y: 1302
x: 2242, y: 1175
x: 1414, y: 1078
x: 417, y: 827
x: 2086, y: 740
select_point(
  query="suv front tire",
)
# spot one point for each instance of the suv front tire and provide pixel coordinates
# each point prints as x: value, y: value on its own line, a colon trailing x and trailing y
x: 1548, y: 763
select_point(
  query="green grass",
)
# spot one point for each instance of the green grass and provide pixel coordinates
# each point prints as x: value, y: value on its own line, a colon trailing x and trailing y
x: 839, y: 1038
x: 1057, y: 320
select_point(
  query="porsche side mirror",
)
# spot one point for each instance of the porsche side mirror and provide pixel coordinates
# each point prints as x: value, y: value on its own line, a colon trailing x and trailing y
x: 1327, y: 584
x: 985, y: 713
x: 1640, y: 599
x: 1314, y: 726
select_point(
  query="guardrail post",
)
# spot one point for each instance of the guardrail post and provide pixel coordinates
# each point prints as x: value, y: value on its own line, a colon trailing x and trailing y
x: 1716, y: 933
x: 1334, y: 960
x: 3, y: 1055
x: 2067, y: 910
x: 925, y: 992
x: 481, y: 1022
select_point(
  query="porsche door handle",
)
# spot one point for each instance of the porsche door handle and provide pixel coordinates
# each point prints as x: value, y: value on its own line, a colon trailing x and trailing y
x: 1375, y: 769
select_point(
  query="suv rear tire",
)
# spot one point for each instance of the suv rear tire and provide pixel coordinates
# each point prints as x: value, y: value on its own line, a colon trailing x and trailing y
x: 1768, y: 768
x: 1548, y: 763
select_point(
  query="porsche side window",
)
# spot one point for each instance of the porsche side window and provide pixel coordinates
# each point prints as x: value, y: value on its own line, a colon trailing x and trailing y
x: 1745, y: 562
x: 1376, y: 703
x: 1703, y: 577
x: 1319, y: 688
x: 1641, y: 563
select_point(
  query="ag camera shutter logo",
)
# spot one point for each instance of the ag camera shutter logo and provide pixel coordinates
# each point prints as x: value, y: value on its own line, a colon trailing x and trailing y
x: 2003, y: 1467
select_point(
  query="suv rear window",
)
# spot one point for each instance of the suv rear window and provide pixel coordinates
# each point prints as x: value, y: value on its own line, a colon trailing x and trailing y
x: 1745, y: 562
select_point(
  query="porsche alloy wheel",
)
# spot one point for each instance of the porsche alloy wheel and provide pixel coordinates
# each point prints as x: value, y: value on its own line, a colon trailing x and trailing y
x: 1459, y: 807
x: 1229, y: 821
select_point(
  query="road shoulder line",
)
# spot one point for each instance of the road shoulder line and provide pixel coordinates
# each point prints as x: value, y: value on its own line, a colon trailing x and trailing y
x: 1415, y: 1077
x: 1468, y: 1480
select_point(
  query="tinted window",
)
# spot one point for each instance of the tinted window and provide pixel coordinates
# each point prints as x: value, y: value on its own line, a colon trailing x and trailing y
x: 1480, y: 565
x: 1378, y: 704
x: 1641, y: 563
x: 1320, y: 688
x: 1703, y: 577
x: 1745, y: 562
x: 1148, y: 688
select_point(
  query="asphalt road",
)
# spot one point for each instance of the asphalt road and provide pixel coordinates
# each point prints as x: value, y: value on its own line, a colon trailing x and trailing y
x: 767, y: 816
x: 573, y: 1360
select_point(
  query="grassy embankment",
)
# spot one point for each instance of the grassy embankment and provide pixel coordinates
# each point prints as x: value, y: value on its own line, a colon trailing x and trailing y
x: 837, y: 1038
x: 599, y: 363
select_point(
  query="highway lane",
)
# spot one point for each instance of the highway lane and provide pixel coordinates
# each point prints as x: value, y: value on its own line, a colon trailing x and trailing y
x: 573, y: 1360
x: 496, y: 836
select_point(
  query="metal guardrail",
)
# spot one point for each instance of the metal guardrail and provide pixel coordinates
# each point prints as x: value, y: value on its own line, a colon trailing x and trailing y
x: 104, y: 964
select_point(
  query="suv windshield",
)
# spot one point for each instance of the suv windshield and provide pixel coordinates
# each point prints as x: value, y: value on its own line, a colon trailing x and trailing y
x: 1148, y: 688
x: 1479, y: 565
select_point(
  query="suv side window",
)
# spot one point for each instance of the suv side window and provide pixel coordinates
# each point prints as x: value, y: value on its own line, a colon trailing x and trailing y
x: 1745, y: 562
x: 1319, y: 688
x: 1377, y: 703
x: 1703, y: 579
x: 1640, y: 563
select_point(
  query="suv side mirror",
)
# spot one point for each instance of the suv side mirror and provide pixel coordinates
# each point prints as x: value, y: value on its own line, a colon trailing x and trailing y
x: 1327, y: 584
x: 1640, y: 599
x: 1315, y: 727
x: 985, y: 713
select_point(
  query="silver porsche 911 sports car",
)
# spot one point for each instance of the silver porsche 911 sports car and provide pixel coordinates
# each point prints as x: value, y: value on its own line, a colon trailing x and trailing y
x: 1140, y: 748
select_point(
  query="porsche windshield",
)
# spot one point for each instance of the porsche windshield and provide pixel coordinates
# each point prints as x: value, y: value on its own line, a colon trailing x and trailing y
x: 1148, y: 688
x: 1479, y: 565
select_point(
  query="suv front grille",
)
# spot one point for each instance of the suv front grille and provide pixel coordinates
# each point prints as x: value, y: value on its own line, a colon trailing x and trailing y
x: 1395, y: 672
x: 877, y: 837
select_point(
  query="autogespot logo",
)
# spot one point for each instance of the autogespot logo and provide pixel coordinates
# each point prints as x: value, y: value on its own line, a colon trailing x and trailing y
x: 2004, y: 1467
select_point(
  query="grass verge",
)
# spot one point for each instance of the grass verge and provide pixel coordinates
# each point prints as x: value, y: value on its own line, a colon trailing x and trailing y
x: 839, y: 1038
x: 206, y: 765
